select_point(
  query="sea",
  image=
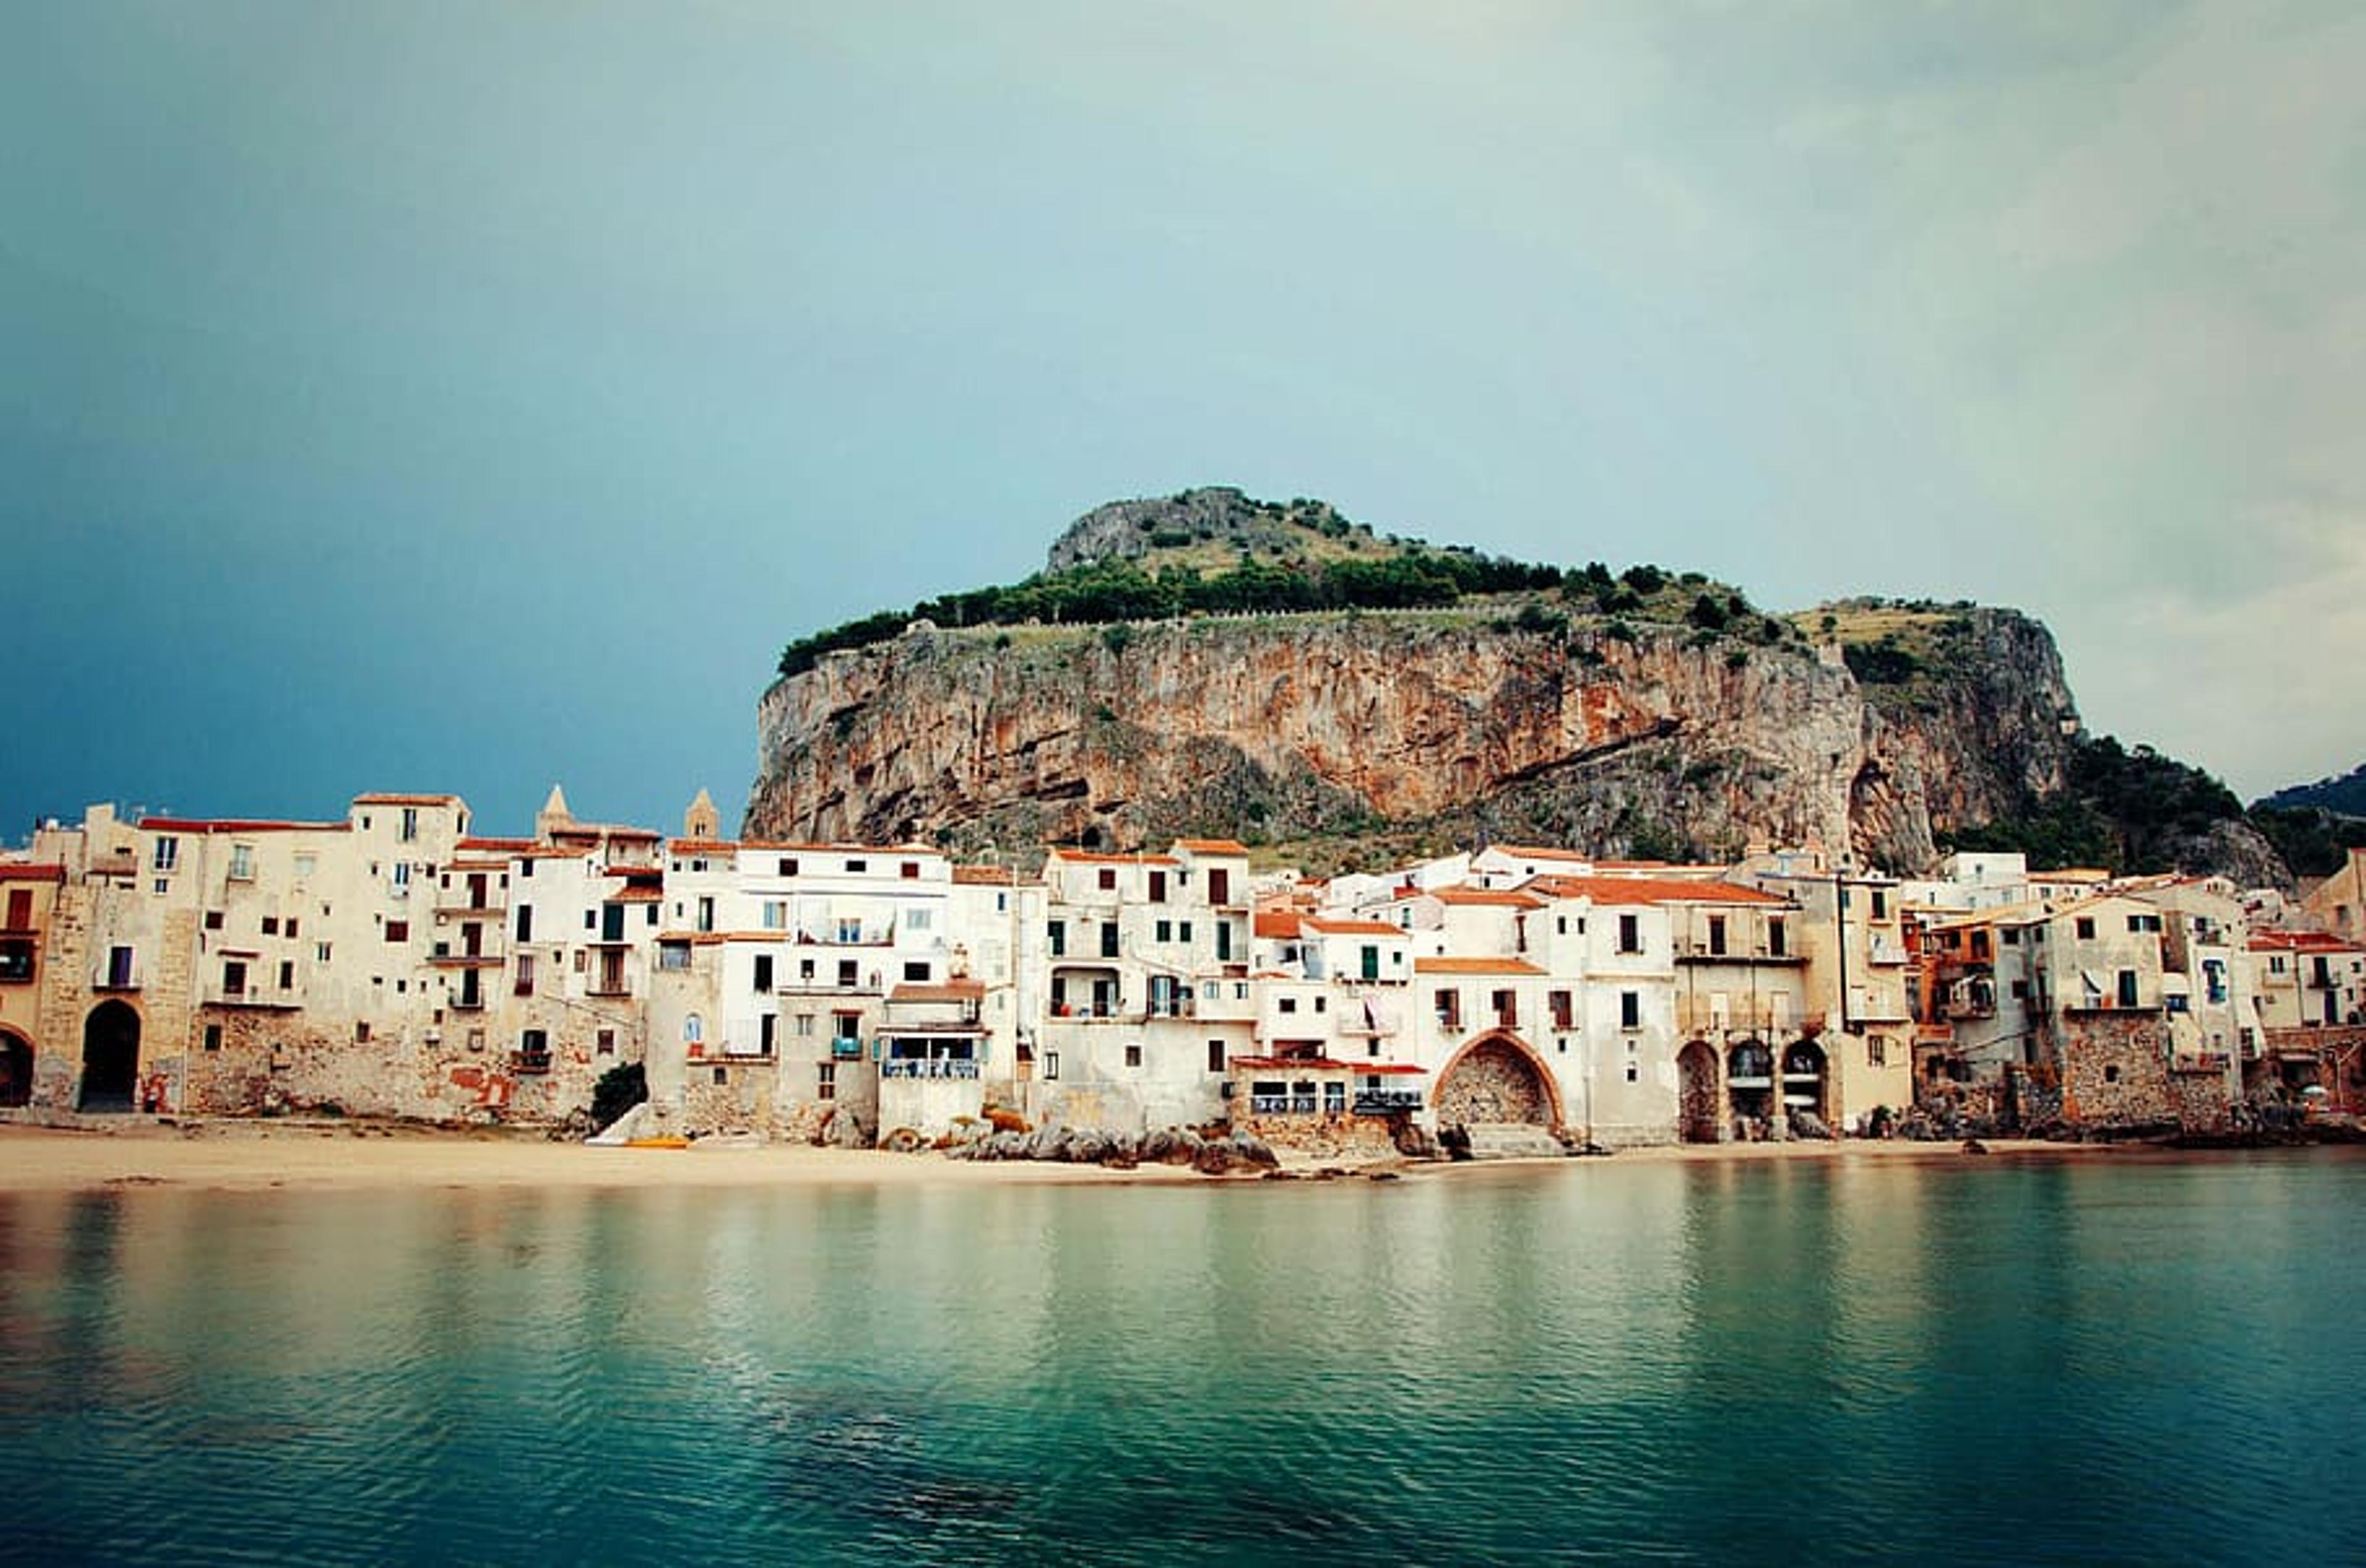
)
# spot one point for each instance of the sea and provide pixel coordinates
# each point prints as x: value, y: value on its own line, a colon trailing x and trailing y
x: 2129, y: 1359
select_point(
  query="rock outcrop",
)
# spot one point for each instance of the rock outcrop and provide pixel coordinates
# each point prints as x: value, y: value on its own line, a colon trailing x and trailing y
x: 1645, y: 740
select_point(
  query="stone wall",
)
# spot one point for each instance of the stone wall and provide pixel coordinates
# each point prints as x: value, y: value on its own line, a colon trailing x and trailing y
x: 2115, y: 1071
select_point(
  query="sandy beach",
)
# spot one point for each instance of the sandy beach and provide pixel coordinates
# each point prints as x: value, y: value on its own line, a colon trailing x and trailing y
x: 248, y: 1155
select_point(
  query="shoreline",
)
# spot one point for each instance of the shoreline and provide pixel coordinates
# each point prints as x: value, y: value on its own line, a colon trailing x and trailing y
x: 227, y: 1155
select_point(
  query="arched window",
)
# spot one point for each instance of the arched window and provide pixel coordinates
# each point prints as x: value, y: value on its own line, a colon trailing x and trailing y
x: 692, y: 1032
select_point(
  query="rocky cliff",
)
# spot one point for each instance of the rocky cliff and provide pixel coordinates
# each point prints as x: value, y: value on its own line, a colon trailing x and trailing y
x: 1623, y: 736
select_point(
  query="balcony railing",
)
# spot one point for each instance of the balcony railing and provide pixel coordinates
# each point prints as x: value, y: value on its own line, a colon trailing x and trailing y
x: 1284, y: 1104
x: 2201, y: 1061
x: 892, y: 1069
x: 529, y: 1061
x: 843, y: 1049
x: 1385, y: 1101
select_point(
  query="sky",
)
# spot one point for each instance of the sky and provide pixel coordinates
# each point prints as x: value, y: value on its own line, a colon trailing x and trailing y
x: 472, y: 396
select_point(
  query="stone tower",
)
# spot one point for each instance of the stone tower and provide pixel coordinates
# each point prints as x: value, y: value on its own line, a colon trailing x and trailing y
x: 701, y: 821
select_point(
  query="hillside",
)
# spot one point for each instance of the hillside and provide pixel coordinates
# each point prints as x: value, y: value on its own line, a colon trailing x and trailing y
x: 2345, y: 796
x: 1211, y: 664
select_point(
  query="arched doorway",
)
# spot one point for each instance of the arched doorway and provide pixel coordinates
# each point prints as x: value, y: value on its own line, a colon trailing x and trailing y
x: 1497, y: 1079
x: 1698, y: 1118
x: 110, y: 1057
x: 1750, y: 1080
x: 1804, y: 1080
x: 16, y: 1070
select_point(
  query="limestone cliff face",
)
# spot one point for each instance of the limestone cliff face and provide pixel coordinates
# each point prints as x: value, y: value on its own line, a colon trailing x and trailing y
x: 1657, y: 741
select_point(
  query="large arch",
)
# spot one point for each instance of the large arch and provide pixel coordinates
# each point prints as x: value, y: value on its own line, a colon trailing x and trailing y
x: 16, y: 1070
x: 1700, y: 1111
x: 1497, y: 1077
x: 110, y: 1057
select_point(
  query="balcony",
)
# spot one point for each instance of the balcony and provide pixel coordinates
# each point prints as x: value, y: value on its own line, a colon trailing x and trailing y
x: 2202, y: 1062
x: 249, y: 997
x: 949, y: 1068
x: 1697, y: 1017
x: 456, y: 904
x: 1284, y: 1104
x: 1386, y: 1101
x: 845, y: 1049
x: 529, y: 1063
x: 1694, y: 950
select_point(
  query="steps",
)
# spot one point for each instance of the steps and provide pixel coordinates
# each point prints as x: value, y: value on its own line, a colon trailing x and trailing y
x: 1513, y: 1140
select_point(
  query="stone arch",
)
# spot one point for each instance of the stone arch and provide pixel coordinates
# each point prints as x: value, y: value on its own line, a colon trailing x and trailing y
x: 16, y: 1070
x: 1750, y: 1087
x: 1700, y: 1111
x: 110, y: 1057
x: 1498, y: 1076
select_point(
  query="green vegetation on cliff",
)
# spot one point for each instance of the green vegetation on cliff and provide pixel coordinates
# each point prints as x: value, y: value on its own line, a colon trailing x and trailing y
x: 2128, y: 809
x: 1320, y: 563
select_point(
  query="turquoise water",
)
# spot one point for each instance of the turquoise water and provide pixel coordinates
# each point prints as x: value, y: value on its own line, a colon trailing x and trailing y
x: 1997, y: 1361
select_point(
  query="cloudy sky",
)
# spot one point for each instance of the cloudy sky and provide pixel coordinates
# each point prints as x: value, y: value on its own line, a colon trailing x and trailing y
x: 472, y: 396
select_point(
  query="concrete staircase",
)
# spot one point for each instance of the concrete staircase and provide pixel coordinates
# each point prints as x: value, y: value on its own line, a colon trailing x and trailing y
x: 1513, y: 1140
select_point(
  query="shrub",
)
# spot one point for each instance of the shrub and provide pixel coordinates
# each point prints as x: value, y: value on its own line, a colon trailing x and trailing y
x: 620, y: 1089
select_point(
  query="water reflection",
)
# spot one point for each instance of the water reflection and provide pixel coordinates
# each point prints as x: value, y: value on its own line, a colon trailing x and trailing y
x: 1991, y: 1361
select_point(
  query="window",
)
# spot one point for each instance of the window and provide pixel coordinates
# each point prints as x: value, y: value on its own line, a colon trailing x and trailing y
x: 213, y: 1036
x: 1164, y: 931
x: 168, y: 853
x: 722, y: 1074
x: 2009, y: 936
x: 320, y: 952
x: 1634, y: 1073
x: 787, y: 866
x: 2112, y: 1073
x: 271, y: 925
x: 1108, y: 939
x: 1183, y: 930
x: 1717, y: 935
x: 1215, y: 1056
x: 916, y: 971
x: 607, y: 1043
x: 805, y: 1026
x: 909, y: 871
x: 1058, y: 932
x: 1630, y: 1009
x: 1368, y: 962
x: 361, y: 1031
x: 1449, y: 1003
x: 1107, y: 879
x: 2086, y: 928
x: 1133, y: 1056
x: 1322, y: 1003
x: 776, y: 914
x: 524, y: 986
x: 707, y: 913
x: 410, y: 823
x: 763, y: 972
x: 825, y: 1080
x: 1630, y: 933
x: 1558, y: 1003
x: 2127, y: 987
x: 857, y: 867
x: 1881, y: 903
x: 398, y: 931
x: 213, y: 919
x: 767, y: 1029
x: 1507, y: 1007
x: 1778, y: 939
x: 1158, y: 887
x: 1286, y: 1004
x: 401, y: 871
x: 1876, y: 1052
x: 287, y: 974
x: 847, y: 978
x: 1335, y: 1099
x: 119, y: 968
x: 693, y: 1029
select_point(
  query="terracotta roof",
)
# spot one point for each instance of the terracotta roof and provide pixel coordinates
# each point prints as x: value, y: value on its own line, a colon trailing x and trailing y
x: 1279, y: 925
x: 1292, y: 1064
x: 985, y: 877
x: 637, y: 896
x: 1087, y: 857
x: 2299, y: 941
x: 408, y: 800
x: 1475, y: 966
x: 1350, y: 928
x: 1463, y: 893
x: 236, y: 824
x: 502, y: 846
x: 22, y: 870
x: 1652, y: 890
x: 1391, y: 1068
x: 703, y: 847
x: 699, y: 939
x: 1213, y: 846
